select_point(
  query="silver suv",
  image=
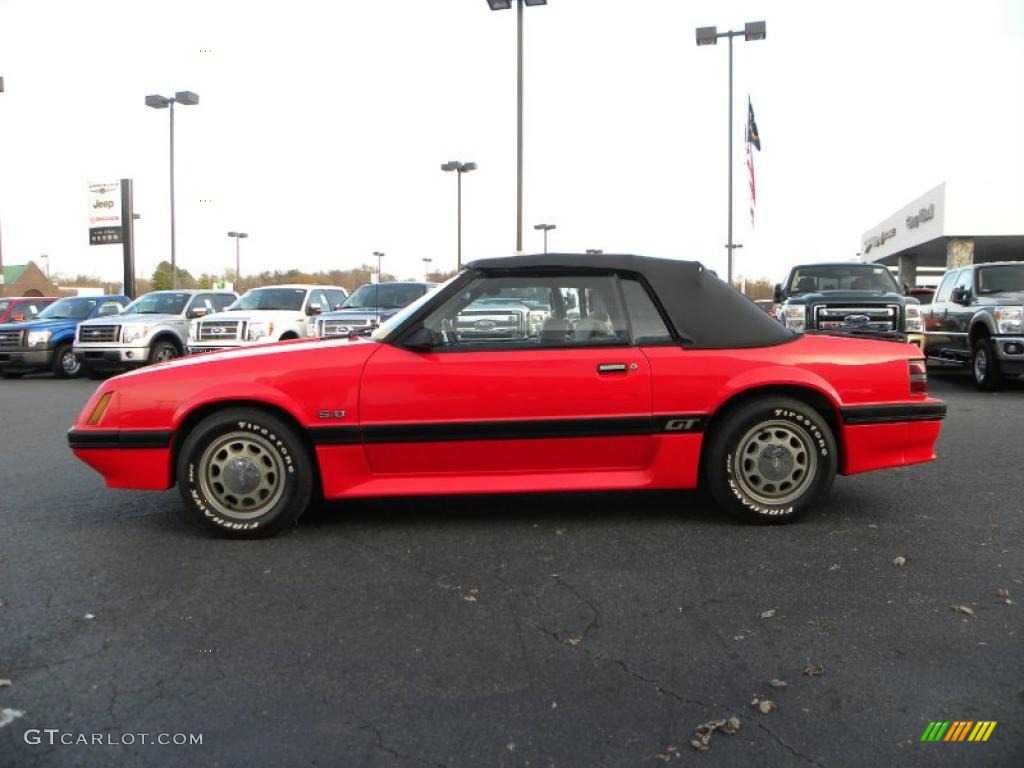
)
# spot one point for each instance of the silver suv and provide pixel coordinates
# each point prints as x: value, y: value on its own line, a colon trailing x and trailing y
x: 151, y: 329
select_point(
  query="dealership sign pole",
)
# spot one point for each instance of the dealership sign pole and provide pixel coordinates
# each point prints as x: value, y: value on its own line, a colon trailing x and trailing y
x: 111, y: 222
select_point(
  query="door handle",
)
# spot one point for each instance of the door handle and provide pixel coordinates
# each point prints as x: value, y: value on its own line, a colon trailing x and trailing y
x: 612, y: 368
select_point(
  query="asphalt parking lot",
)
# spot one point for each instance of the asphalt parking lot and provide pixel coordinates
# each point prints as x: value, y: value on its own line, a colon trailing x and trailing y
x: 581, y: 630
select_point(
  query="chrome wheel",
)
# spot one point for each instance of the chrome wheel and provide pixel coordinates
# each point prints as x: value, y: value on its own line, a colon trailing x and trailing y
x: 164, y: 354
x: 69, y: 364
x: 775, y: 462
x: 243, y: 474
x: 980, y: 363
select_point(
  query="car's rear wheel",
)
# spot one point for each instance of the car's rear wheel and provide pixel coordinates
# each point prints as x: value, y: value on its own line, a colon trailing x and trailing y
x: 65, y: 364
x: 245, y: 473
x: 985, y: 365
x: 769, y: 460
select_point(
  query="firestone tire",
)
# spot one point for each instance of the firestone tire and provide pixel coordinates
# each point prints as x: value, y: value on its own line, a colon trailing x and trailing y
x: 988, y: 376
x: 245, y: 473
x: 770, y: 460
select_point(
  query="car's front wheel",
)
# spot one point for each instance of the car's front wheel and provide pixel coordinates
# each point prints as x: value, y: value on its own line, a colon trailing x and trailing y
x: 65, y: 364
x: 162, y: 351
x: 985, y: 365
x: 245, y: 473
x: 769, y: 460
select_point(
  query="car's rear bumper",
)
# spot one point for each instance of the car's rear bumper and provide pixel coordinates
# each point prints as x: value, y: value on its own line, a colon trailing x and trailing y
x: 133, y: 459
x: 20, y: 359
x: 889, y: 435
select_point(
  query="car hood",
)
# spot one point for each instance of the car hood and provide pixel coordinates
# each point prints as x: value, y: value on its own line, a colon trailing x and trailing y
x: 39, y: 325
x: 132, y: 320
x: 270, y: 353
x: 853, y: 296
x: 340, y: 314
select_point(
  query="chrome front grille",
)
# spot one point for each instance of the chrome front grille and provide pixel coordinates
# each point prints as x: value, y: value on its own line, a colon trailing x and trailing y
x: 880, y: 317
x: 88, y: 334
x: 11, y: 339
x: 331, y: 328
x: 220, y: 330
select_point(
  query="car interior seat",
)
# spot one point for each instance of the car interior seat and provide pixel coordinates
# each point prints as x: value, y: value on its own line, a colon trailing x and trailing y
x: 555, y: 331
x: 595, y: 325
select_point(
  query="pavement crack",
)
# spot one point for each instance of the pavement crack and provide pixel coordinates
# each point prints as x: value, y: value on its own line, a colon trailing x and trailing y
x: 379, y: 737
x: 789, y: 748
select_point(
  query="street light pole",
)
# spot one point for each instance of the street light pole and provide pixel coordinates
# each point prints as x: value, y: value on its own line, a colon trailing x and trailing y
x: 459, y: 168
x: 504, y: 5
x: 379, y: 255
x: 44, y: 256
x: 188, y: 99
x: 2, y: 281
x: 238, y: 259
x: 426, y: 269
x: 546, y: 228
x: 752, y: 30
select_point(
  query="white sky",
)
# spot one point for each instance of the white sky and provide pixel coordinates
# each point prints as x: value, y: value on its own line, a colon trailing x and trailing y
x: 322, y: 125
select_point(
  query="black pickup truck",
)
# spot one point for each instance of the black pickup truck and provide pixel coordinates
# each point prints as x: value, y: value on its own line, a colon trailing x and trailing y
x: 977, y: 319
x: 848, y: 299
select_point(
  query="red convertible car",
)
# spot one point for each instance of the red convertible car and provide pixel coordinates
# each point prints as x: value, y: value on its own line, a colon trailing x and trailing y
x: 529, y: 373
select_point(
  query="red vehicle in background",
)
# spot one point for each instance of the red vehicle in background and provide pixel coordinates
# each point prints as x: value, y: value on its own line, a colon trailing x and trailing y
x: 530, y: 373
x: 19, y: 309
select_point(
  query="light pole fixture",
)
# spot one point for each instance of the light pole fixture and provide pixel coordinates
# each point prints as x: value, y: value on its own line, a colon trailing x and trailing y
x: 546, y: 228
x: 379, y: 255
x: 187, y: 99
x: 238, y: 260
x: 752, y: 30
x: 459, y: 168
x: 594, y: 251
x: 426, y: 268
x: 504, y: 5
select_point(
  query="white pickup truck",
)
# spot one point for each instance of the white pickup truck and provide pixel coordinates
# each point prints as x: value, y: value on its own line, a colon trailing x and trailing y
x: 270, y: 313
x: 151, y: 329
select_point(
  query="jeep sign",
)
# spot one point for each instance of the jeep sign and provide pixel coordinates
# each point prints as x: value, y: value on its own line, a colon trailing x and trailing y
x: 105, y: 214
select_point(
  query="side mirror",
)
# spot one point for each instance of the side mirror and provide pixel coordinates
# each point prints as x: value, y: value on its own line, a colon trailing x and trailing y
x: 906, y: 289
x: 198, y: 312
x: 313, y: 310
x: 420, y: 340
x: 778, y: 296
x: 960, y: 295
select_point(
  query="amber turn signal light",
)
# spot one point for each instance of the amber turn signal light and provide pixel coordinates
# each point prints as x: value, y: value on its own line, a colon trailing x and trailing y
x: 99, y: 410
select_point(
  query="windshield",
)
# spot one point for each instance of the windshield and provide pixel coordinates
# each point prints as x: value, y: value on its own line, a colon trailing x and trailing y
x: 74, y: 308
x: 159, y: 303
x: 384, y: 296
x: 285, y: 299
x: 1002, y: 279
x: 387, y: 327
x: 842, y: 277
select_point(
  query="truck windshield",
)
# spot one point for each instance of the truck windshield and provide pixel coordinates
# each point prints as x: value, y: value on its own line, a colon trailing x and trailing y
x: 388, y: 327
x: 384, y: 296
x: 1001, y: 279
x: 841, y: 277
x: 73, y: 308
x: 281, y: 299
x: 158, y: 303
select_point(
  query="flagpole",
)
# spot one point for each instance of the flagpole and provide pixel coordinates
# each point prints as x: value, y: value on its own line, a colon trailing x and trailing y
x: 730, y: 245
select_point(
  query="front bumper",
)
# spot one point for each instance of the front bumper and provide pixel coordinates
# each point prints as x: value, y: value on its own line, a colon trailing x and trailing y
x: 1010, y: 351
x: 25, y: 359
x: 133, y: 459
x: 112, y: 357
x: 197, y: 348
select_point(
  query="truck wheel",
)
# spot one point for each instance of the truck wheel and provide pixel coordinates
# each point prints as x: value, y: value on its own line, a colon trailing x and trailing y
x: 770, y: 460
x: 985, y: 365
x: 65, y: 364
x: 245, y: 473
x: 162, y: 351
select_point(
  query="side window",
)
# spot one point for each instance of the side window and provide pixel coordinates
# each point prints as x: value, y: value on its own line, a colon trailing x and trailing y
x: 201, y: 301
x: 644, y: 318
x: 319, y: 300
x: 531, y: 312
x: 336, y: 298
x: 221, y: 301
x: 966, y: 279
x: 945, y: 288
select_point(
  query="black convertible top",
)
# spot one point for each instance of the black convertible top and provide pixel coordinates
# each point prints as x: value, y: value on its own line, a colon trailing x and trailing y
x: 706, y: 312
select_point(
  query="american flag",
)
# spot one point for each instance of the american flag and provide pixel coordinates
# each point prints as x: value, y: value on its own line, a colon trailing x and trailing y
x: 753, y: 142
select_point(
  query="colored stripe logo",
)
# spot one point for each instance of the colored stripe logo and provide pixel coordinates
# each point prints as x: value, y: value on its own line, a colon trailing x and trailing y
x: 958, y: 730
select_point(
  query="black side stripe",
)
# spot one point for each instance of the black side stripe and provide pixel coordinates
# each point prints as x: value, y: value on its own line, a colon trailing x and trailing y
x: 508, y: 430
x: 115, y: 438
x: 887, y: 414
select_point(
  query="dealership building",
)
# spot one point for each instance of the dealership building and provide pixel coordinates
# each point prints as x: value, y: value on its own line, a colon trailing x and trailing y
x: 952, y: 225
